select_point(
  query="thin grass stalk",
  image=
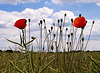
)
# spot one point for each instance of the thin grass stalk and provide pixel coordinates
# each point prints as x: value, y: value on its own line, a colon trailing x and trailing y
x: 64, y: 60
x: 89, y: 35
x: 31, y: 60
x: 81, y: 47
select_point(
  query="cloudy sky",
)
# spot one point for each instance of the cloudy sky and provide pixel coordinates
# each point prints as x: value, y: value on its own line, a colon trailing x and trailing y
x: 51, y: 10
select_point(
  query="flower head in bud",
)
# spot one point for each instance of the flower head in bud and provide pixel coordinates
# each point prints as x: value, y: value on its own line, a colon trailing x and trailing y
x: 44, y: 20
x: 60, y: 27
x: 39, y: 24
x: 61, y: 20
x: 70, y: 43
x: 53, y: 24
x: 82, y: 39
x: 66, y: 29
x: 43, y: 48
x: 51, y: 28
x: 79, y: 15
x: 71, y: 34
x: 68, y: 35
x: 33, y: 38
x: 58, y: 21
x: 52, y: 47
x: 54, y: 35
x: 86, y: 21
x: 40, y: 21
x: 60, y: 31
x: 67, y: 43
x: 72, y: 20
x: 29, y: 20
x: 93, y: 22
x: 65, y: 14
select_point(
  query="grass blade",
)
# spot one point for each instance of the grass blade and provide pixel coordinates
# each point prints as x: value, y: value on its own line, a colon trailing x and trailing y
x: 14, y: 42
x: 12, y: 64
x: 97, y: 63
x: 46, y: 66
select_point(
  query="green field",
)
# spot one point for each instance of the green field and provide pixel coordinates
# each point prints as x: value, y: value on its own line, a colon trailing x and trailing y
x: 17, y: 62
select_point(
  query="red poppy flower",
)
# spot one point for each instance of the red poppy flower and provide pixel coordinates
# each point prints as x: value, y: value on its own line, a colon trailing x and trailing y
x: 79, y: 22
x: 21, y: 23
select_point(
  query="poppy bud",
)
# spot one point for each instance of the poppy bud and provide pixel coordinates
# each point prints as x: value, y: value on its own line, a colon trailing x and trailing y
x: 44, y: 20
x: 49, y: 30
x: 25, y: 21
x: 54, y: 35
x: 60, y: 27
x: 40, y: 21
x: 68, y: 35
x: 52, y: 47
x: 66, y: 29
x: 43, y: 48
x: 61, y: 20
x: 72, y: 20
x: 79, y: 15
x: 70, y: 43
x: 51, y: 27
x: 93, y: 22
x: 58, y: 21
x: 67, y: 43
x: 65, y: 14
x: 86, y: 21
x: 60, y: 31
x: 71, y: 34
x: 29, y: 20
x: 82, y: 39
x: 32, y: 37
x: 54, y: 24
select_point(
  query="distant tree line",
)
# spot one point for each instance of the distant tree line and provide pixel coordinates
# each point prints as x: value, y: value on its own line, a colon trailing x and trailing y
x: 50, y: 52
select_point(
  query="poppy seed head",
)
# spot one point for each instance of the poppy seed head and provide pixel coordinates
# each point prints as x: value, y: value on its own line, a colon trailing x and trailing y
x: 44, y: 20
x: 51, y: 28
x: 58, y: 21
x: 29, y: 20
x: 68, y: 35
x: 61, y: 20
x: 40, y: 21
x: 25, y: 21
x: 93, y: 22
x: 66, y: 29
x: 65, y: 14
x: 79, y: 15
x: 72, y: 20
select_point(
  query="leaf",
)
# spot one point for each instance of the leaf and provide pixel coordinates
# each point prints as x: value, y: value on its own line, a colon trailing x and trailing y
x: 12, y: 64
x: 20, y: 39
x: 30, y: 41
x: 97, y: 56
x: 52, y: 68
x: 14, y: 42
x: 46, y: 66
x: 31, y: 59
x: 97, y: 63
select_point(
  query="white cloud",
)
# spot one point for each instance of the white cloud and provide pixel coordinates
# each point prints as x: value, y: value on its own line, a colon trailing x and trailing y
x: 75, y: 1
x: 15, y: 2
x: 7, y: 20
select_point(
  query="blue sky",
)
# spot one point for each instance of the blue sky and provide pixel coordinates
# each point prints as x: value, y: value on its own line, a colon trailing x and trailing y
x: 89, y: 9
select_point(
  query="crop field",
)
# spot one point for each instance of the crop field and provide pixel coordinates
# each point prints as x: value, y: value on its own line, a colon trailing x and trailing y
x: 34, y: 62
